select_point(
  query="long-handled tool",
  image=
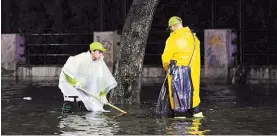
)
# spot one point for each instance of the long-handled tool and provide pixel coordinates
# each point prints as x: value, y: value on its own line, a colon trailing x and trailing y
x: 105, y: 103
x: 68, y: 79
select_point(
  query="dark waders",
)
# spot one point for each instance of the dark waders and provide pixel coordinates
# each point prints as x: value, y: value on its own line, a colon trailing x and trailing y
x: 75, y: 106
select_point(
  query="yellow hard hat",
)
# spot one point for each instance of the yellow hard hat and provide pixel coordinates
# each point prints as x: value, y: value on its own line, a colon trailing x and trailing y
x: 97, y: 46
x: 174, y: 20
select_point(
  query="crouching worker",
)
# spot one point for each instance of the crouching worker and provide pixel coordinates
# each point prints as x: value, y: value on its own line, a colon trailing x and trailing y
x: 181, y: 60
x: 89, y: 72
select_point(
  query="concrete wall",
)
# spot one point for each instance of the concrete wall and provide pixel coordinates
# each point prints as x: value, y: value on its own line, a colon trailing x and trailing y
x: 36, y: 71
x: 151, y: 75
x: 218, y: 53
x: 261, y: 75
x: 12, y: 50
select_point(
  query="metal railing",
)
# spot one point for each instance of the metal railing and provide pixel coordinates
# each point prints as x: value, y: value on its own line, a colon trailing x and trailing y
x: 258, y: 47
x: 49, y: 49
x: 45, y: 52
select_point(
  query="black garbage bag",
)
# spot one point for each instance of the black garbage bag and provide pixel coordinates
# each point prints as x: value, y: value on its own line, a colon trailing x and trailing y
x: 163, y: 108
x: 182, y: 89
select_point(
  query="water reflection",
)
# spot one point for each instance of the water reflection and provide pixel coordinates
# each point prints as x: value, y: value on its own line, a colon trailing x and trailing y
x: 92, y: 123
x: 250, y: 109
x: 188, y: 126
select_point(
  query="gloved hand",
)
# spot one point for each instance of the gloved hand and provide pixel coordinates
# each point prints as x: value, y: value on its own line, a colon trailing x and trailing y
x: 103, y: 96
x: 103, y: 99
x: 72, y: 81
x: 172, y: 65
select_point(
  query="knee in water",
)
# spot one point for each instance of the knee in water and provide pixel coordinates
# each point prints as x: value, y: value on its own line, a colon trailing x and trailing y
x: 70, y: 107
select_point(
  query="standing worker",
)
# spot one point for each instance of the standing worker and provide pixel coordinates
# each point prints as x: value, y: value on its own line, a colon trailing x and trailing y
x: 181, y: 60
x: 88, y: 71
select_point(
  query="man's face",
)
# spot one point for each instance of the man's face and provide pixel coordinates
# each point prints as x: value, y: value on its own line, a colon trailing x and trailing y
x: 173, y: 28
x: 96, y: 55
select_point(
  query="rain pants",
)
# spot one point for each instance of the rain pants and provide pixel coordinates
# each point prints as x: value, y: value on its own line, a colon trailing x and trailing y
x: 93, y: 76
x: 184, y: 81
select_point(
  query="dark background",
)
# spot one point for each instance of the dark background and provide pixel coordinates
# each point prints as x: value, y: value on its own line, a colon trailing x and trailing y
x: 55, y: 29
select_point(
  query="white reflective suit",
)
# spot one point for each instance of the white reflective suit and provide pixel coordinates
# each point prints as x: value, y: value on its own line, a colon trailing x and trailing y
x: 93, y: 76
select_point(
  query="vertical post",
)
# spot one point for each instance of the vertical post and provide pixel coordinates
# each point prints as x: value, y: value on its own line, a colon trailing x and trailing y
x: 270, y: 25
x: 28, y: 55
x: 6, y: 16
x: 267, y: 54
x: 213, y: 11
x: 188, y: 9
x: 123, y: 11
x: 45, y: 54
x: 241, y: 2
x: 101, y: 15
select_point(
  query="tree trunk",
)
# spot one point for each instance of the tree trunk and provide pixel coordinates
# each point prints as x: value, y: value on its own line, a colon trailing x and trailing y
x: 134, y: 36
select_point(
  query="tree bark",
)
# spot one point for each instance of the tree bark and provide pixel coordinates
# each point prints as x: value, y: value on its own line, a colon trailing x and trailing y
x: 134, y: 36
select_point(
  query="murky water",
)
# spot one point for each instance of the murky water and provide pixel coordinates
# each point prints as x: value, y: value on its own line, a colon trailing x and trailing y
x: 228, y: 110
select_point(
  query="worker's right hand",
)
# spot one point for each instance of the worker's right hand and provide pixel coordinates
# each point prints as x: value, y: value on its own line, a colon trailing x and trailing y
x: 172, y: 66
x: 77, y: 86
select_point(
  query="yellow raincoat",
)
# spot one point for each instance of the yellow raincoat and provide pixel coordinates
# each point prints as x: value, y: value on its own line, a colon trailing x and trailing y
x: 180, y: 46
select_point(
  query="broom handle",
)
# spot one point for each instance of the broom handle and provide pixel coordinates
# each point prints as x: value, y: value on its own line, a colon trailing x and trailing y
x: 106, y: 103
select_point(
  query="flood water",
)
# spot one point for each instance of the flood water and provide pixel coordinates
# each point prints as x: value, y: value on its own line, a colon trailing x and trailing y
x: 247, y: 109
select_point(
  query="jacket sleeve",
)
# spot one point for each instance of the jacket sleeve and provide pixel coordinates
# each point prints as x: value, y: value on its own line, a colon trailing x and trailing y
x: 70, y: 69
x: 168, y: 53
x: 70, y: 79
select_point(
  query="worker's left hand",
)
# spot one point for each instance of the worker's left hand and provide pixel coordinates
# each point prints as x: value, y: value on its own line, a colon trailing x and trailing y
x: 103, y: 99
